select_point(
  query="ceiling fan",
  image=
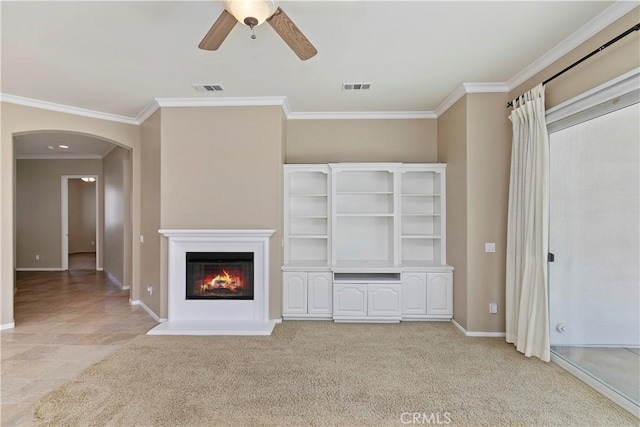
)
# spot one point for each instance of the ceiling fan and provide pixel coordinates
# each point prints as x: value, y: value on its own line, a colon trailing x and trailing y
x: 253, y: 13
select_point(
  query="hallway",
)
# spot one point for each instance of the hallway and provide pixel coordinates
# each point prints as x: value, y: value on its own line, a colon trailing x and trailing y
x: 65, y: 322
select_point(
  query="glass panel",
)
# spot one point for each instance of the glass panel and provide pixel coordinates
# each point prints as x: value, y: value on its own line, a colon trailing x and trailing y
x: 594, y: 282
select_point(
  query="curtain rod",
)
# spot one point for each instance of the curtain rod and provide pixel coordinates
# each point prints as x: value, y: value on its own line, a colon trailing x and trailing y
x: 584, y: 58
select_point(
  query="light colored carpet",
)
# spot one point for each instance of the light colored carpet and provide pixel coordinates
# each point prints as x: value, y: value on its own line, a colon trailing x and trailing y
x: 322, y: 373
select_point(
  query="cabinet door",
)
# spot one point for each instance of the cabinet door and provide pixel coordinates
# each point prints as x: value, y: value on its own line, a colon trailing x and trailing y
x: 440, y: 294
x: 384, y: 299
x: 319, y: 289
x: 350, y: 300
x: 294, y: 293
x: 414, y: 293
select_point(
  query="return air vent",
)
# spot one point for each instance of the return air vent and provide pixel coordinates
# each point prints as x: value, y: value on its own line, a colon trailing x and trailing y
x: 356, y: 86
x: 208, y: 88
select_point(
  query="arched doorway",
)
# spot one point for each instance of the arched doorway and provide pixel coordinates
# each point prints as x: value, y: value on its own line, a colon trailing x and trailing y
x: 45, y: 160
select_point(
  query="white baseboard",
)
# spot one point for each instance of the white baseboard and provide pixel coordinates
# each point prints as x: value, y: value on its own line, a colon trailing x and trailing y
x: 40, y: 269
x: 99, y: 269
x: 8, y: 326
x: 277, y: 320
x: 116, y: 281
x: 597, y: 385
x: 148, y: 310
x: 478, y: 334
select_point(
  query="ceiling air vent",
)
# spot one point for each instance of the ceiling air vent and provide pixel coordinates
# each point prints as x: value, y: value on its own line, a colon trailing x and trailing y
x: 208, y: 88
x: 356, y: 86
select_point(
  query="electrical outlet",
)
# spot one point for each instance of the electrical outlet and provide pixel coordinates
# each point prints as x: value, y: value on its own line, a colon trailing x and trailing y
x: 150, y: 289
x: 493, y: 308
x: 37, y: 257
x: 93, y: 243
x: 489, y: 247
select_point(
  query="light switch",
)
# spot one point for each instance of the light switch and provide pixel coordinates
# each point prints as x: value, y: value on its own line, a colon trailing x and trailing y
x: 489, y: 247
x: 141, y: 238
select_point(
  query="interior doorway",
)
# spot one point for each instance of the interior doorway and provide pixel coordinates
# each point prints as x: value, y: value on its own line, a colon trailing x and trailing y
x: 80, y: 239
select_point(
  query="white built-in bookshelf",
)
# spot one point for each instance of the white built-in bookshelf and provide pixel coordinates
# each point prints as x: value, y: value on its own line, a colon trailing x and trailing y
x: 366, y: 242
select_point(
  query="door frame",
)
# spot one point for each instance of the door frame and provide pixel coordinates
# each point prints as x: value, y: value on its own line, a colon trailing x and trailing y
x: 64, y: 204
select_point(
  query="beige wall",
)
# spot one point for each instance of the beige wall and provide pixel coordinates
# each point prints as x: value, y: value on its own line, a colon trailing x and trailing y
x: 452, y: 150
x: 221, y: 167
x: 82, y: 216
x: 117, y: 224
x: 150, y: 260
x: 484, y: 151
x: 488, y: 166
x: 325, y: 141
x: 614, y: 61
x: 39, y: 211
x: 16, y: 119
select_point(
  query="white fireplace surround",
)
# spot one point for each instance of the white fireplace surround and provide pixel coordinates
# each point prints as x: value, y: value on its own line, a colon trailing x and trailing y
x: 221, y: 316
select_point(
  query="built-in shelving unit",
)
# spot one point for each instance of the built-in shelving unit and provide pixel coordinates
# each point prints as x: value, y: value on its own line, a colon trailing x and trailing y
x: 373, y: 221
x: 307, y: 227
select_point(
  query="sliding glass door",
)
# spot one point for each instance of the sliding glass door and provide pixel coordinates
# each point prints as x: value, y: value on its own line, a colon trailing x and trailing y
x: 594, y: 279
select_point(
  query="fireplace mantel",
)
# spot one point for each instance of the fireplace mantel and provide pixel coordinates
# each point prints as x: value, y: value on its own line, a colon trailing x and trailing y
x: 216, y: 317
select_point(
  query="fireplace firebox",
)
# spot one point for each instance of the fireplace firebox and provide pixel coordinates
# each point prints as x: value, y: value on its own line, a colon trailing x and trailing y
x: 219, y: 275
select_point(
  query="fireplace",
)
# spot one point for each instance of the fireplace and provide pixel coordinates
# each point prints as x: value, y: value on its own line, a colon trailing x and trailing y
x: 219, y: 275
x: 218, y: 283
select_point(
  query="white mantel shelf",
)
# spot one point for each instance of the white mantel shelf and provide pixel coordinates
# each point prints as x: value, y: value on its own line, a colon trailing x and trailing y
x: 208, y: 233
x: 216, y: 316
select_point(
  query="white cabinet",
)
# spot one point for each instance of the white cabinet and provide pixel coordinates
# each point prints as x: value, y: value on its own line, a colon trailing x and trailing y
x: 384, y: 300
x: 367, y: 297
x: 427, y: 295
x: 414, y: 294
x: 294, y: 293
x: 381, y: 227
x: 319, y: 293
x: 367, y: 302
x: 349, y: 301
x: 440, y: 294
x: 306, y: 295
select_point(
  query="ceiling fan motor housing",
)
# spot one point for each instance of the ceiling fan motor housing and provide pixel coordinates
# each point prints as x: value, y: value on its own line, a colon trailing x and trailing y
x: 251, y: 12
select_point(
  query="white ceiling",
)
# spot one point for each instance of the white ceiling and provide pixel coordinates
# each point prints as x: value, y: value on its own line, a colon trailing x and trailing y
x: 116, y: 57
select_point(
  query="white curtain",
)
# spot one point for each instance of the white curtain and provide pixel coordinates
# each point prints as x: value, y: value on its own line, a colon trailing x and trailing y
x: 527, y: 313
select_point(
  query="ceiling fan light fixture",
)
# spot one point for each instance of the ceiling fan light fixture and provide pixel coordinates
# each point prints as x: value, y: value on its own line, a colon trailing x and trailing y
x: 88, y: 179
x: 251, y: 12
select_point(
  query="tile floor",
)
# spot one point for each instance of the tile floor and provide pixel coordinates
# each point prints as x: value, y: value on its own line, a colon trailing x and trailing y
x: 617, y: 367
x: 65, y: 322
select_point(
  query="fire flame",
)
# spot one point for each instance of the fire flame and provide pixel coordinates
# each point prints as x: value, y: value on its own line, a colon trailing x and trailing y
x: 221, y: 282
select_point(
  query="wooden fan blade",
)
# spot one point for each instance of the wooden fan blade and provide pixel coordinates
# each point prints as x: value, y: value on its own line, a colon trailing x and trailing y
x: 292, y: 35
x: 218, y: 32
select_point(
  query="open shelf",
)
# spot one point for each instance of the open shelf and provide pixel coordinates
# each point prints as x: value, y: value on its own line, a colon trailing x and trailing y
x: 380, y: 213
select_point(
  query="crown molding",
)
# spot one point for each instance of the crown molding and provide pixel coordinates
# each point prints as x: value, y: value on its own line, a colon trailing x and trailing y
x: 147, y: 111
x: 465, y: 88
x: 60, y: 108
x: 286, y: 108
x: 448, y: 102
x: 57, y: 157
x: 485, y: 87
x: 364, y: 115
x: 222, y: 102
x: 584, y: 33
